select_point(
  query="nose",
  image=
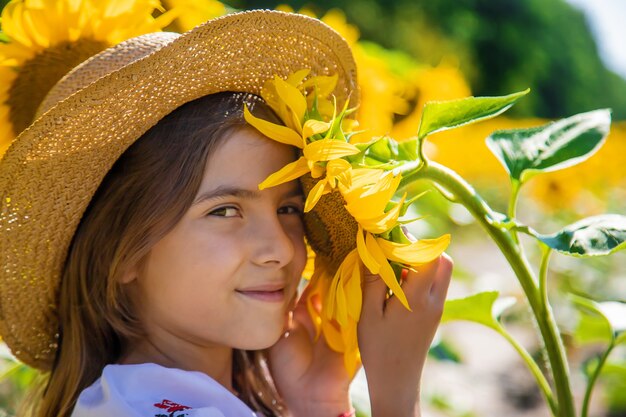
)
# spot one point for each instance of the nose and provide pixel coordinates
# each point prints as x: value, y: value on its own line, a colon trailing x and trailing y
x: 273, y: 243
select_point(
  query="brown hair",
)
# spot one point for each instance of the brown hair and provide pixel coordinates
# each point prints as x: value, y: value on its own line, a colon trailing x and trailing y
x: 140, y: 200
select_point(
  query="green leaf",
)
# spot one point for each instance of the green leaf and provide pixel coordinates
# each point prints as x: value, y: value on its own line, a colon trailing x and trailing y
x: 4, y: 38
x: 407, y: 150
x: 484, y: 308
x: 443, y: 115
x: 615, y: 312
x: 557, y: 145
x: 592, y: 325
x: 614, y: 386
x: 594, y: 236
x: 600, y: 321
x: 444, y: 351
x: 386, y: 149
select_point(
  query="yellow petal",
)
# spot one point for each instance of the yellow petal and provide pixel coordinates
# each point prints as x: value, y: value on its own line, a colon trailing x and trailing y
x: 279, y: 133
x: 316, y: 170
x: 327, y: 149
x: 292, y: 98
x: 319, y: 287
x: 351, y: 355
x: 285, y: 174
x: 340, y: 298
x: 367, y: 258
x: 12, y: 25
x: 323, y: 83
x: 386, y: 272
x: 296, y: 78
x: 315, y: 194
x: 336, y: 169
x: 415, y: 253
x: 337, y: 166
x: 313, y: 127
x: 360, y: 179
x: 385, y: 221
x: 354, y: 295
x: 388, y: 184
x: 371, y: 203
x: 332, y: 335
x: 329, y: 307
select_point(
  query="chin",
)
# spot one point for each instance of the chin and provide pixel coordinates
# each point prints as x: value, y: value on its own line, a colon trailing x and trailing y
x: 261, y: 338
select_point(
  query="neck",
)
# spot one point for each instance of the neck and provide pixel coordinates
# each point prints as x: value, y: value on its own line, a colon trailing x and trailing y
x: 214, y: 361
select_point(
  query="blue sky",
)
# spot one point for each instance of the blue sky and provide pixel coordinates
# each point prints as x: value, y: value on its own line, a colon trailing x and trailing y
x: 607, y: 19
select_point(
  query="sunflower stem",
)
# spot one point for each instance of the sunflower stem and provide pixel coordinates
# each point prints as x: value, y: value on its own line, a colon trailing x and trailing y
x: 593, y: 378
x: 515, y: 188
x: 511, y: 249
x: 542, y: 382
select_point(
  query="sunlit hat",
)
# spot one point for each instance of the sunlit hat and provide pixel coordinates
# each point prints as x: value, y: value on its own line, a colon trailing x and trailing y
x: 53, y: 168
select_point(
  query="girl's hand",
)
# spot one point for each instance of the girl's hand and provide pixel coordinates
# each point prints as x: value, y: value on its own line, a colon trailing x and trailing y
x: 394, y: 342
x: 310, y: 377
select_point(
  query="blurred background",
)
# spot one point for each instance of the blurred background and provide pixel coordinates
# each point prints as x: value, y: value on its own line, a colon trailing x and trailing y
x: 572, y: 55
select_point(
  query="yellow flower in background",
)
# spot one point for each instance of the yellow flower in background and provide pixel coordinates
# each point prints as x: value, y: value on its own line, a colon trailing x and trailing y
x: 191, y: 13
x: 47, y: 38
x: 383, y: 92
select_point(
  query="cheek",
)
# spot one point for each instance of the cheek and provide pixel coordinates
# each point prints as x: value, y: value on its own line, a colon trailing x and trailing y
x: 191, y: 258
x: 300, y: 253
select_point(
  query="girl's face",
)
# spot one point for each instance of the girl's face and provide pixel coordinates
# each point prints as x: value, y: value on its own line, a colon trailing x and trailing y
x: 228, y: 271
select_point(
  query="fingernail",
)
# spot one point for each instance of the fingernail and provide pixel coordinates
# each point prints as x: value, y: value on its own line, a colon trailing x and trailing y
x: 408, y: 234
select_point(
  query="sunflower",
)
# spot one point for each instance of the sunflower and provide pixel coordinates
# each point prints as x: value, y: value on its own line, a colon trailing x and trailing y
x: 191, y: 13
x: 358, y: 218
x: 47, y: 38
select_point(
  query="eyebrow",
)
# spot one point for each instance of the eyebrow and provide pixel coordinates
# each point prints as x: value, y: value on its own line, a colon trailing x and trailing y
x: 244, y: 193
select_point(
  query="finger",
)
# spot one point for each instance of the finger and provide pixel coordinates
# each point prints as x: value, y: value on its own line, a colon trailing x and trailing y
x: 439, y: 289
x: 417, y: 286
x: 374, y: 293
x: 421, y: 278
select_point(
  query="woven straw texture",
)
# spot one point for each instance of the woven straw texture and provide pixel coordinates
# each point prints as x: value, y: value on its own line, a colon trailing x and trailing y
x: 51, y: 171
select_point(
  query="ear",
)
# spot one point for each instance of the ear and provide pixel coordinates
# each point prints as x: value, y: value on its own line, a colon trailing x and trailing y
x: 129, y: 276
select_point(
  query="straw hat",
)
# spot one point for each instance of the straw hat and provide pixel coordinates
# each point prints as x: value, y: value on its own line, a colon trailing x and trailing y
x: 51, y: 171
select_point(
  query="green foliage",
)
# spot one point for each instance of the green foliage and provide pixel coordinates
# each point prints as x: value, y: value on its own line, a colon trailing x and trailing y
x: 614, y: 377
x: 558, y: 145
x: 387, y: 149
x: 593, y: 236
x: 482, y: 308
x: 600, y: 321
x: 442, y: 115
x: 502, y: 46
x: 444, y: 351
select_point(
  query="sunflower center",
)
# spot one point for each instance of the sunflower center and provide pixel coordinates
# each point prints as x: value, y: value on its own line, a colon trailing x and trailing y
x: 331, y: 230
x: 38, y: 75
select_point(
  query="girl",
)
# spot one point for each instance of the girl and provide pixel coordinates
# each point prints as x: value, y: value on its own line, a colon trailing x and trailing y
x: 144, y: 268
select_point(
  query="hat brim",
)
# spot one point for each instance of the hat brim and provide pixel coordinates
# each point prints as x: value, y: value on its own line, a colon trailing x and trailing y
x: 52, y: 170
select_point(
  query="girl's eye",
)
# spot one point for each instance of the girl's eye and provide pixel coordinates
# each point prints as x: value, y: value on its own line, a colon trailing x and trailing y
x: 291, y: 209
x: 228, y: 211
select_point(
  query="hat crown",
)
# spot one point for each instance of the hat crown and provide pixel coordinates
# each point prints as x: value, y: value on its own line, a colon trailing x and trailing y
x: 104, y: 63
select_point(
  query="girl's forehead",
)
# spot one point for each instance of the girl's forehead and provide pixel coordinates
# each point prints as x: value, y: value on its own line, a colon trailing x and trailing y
x: 244, y: 160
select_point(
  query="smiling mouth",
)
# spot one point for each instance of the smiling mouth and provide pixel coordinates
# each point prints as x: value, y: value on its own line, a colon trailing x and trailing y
x: 275, y: 296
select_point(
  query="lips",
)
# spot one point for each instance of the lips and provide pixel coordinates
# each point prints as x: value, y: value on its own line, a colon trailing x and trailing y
x: 269, y: 292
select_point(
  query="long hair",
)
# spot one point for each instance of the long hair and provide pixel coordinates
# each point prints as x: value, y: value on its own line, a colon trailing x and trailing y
x: 141, y: 199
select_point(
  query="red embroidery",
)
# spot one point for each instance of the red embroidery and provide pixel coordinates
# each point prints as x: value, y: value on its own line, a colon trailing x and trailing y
x: 171, y: 406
